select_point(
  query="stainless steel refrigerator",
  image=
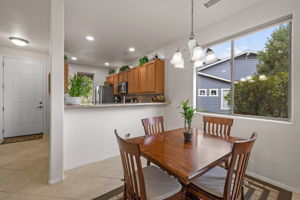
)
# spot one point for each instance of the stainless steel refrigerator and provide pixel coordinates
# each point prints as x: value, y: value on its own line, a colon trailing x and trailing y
x: 104, y: 94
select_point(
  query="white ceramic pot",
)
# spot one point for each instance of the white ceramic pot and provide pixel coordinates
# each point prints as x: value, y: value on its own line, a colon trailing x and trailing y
x: 74, y: 100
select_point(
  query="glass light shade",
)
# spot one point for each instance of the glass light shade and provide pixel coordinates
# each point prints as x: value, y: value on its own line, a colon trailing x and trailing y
x: 191, y: 44
x: 197, y: 53
x: 198, y: 63
x: 210, y: 57
x: 180, y: 64
x: 177, y: 58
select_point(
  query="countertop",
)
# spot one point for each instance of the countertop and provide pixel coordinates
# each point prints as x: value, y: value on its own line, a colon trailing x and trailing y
x: 105, y: 105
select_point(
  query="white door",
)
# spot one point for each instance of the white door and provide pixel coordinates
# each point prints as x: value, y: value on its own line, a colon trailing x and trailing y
x: 23, y: 97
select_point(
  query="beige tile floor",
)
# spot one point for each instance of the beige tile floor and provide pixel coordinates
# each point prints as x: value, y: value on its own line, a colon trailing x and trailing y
x: 24, y: 173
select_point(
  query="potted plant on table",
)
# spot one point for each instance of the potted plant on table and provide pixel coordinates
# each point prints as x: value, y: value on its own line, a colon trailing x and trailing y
x: 188, y: 113
x: 80, y: 86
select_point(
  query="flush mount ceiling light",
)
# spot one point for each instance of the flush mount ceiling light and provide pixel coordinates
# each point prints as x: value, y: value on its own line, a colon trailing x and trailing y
x: 74, y: 58
x: 90, y: 38
x: 18, y: 41
x: 131, y: 49
x: 106, y: 64
x: 195, y: 50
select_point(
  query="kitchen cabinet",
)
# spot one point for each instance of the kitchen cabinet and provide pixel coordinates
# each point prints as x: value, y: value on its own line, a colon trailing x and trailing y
x: 123, y: 77
x: 133, y: 80
x: 66, y: 77
x: 110, y: 80
x: 115, y: 83
x: 152, y: 77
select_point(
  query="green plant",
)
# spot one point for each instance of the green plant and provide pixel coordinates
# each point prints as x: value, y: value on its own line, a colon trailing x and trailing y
x: 188, y: 114
x: 143, y: 60
x: 80, y: 86
x: 123, y: 68
x: 111, y: 71
x: 66, y: 58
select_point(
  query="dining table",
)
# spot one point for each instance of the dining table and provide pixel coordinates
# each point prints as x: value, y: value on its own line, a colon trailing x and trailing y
x: 186, y: 161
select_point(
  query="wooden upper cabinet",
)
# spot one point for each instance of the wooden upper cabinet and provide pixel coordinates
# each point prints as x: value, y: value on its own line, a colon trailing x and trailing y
x: 133, y: 81
x: 110, y: 80
x: 152, y: 77
x: 123, y: 77
x: 115, y: 83
x: 66, y: 77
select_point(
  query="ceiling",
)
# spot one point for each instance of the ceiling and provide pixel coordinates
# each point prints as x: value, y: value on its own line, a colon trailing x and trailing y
x: 115, y: 24
x: 28, y: 19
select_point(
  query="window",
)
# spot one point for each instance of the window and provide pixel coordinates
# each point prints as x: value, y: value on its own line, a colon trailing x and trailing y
x: 202, y: 92
x: 224, y: 102
x: 213, y: 92
x: 252, y: 74
x: 89, y: 80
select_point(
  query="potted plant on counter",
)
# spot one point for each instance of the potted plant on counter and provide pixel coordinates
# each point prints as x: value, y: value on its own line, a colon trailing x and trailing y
x: 188, y: 113
x: 80, y: 86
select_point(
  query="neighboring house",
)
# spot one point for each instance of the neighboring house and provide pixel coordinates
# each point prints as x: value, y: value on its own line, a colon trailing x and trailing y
x: 213, y: 82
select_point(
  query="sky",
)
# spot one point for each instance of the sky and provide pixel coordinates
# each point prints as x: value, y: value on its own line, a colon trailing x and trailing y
x: 251, y: 42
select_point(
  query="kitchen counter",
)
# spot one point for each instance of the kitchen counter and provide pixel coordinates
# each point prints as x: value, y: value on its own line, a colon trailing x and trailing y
x: 105, y: 105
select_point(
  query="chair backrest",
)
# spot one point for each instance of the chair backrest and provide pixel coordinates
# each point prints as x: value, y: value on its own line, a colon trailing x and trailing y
x: 153, y: 125
x: 237, y: 169
x: 132, y: 169
x: 217, y: 126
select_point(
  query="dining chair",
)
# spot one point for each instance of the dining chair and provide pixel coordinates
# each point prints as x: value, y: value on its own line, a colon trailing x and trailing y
x: 219, y: 183
x: 153, y: 125
x: 217, y: 126
x: 148, y: 183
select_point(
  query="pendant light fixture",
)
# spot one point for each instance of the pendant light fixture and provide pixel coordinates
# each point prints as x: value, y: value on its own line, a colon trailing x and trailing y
x: 197, y: 54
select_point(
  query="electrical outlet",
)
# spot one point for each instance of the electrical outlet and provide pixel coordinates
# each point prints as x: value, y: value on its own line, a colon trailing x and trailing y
x: 127, y: 135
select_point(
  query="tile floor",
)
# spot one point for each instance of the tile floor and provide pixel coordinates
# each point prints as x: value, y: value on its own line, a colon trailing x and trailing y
x: 24, y: 173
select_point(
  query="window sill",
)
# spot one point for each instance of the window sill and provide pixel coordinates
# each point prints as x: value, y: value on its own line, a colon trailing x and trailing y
x: 255, y: 118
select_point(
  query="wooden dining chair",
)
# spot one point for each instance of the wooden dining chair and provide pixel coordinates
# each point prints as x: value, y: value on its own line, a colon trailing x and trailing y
x: 153, y: 125
x: 217, y: 126
x: 148, y: 183
x: 219, y: 183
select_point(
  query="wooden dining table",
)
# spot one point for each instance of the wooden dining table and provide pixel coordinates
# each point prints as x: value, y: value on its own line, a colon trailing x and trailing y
x: 185, y: 161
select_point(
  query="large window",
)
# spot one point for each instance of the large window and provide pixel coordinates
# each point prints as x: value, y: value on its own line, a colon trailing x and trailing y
x: 251, y: 76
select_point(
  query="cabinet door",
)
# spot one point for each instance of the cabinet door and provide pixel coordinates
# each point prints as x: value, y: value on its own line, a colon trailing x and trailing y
x: 133, y: 81
x: 150, y: 77
x: 115, y: 83
x: 143, y: 78
x: 110, y: 80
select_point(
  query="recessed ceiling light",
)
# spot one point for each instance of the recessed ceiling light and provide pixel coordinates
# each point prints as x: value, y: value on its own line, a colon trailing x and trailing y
x: 90, y: 38
x: 106, y: 64
x: 74, y: 58
x: 18, y: 41
x: 131, y: 49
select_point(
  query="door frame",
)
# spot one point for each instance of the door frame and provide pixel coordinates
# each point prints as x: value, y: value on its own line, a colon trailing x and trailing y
x: 2, y: 91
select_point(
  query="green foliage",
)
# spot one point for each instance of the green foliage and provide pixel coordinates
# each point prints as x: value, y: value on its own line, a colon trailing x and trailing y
x: 111, y: 71
x: 143, y: 60
x: 262, y: 97
x: 275, y: 56
x: 80, y: 86
x: 188, y: 114
x: 66, y: 58
x: 123, y: 68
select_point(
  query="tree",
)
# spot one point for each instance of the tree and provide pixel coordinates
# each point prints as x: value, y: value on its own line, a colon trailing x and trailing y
x: 275, y: 56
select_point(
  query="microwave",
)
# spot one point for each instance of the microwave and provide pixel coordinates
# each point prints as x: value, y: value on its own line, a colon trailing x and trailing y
x: 123, y: 88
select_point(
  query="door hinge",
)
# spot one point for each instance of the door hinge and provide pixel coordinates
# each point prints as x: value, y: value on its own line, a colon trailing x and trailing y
x: 3, y: 64
x: 3, y: 86
x: 3, y: 131
x: 3, y: 108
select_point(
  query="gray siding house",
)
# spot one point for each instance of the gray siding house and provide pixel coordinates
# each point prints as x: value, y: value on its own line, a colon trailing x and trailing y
x: 213, y: 81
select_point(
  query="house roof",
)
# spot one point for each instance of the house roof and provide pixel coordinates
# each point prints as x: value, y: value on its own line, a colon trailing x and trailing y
x: 215, y: 77
x: 227, y: 59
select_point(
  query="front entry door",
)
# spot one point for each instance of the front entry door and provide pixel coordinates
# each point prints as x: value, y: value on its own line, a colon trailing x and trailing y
x: 23, y: 97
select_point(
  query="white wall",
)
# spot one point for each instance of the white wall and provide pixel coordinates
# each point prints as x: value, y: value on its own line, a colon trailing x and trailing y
x: 5, y: 51
x: 276, y: 155
x: 89, y: 132
x: 100, y: 73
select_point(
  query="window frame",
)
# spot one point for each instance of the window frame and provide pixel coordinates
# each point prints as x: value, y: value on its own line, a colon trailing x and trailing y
x: 222, y: 98
x: 217, y: 92
x: 199, y: 92
x: 231, y: 38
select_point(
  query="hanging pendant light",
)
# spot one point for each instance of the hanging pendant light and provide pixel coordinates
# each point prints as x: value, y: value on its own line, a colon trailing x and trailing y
x: 198, y: 63
x: 177, y: 59
x: 210, y: 56
x: 198, y: 53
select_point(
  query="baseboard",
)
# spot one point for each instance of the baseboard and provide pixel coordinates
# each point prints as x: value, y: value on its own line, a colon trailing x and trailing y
x: 276, y: 183
x: 56, y: 180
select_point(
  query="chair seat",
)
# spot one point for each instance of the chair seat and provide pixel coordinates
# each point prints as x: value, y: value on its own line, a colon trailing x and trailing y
x: 159, y: 185
x: 213, y: 181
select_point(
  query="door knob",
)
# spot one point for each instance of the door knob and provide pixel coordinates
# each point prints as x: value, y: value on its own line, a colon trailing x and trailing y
x: 40, y: 107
